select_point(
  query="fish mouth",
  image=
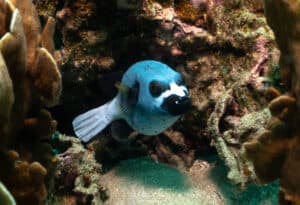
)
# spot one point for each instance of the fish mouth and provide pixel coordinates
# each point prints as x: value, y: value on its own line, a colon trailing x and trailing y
x: 176, y: 105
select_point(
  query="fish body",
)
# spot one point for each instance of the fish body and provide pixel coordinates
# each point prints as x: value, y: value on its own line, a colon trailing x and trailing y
x: 151, y: 97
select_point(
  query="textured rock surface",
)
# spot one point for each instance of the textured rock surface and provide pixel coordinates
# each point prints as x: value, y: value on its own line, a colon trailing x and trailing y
x: 219, y: 47
x: 77, y: 174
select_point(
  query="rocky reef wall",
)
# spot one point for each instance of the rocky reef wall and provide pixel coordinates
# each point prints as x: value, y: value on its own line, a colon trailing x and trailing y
x: 224, y: 49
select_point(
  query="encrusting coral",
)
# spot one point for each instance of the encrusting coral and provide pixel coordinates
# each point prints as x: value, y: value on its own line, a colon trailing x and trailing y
x: 77, y: 174
x: 275, y: 151
x: 29, y: 81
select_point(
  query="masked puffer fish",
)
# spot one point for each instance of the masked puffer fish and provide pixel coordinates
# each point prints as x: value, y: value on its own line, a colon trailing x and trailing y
x: 151, y: 97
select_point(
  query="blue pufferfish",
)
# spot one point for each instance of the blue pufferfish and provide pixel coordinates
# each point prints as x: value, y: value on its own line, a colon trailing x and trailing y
x: 151, y: 98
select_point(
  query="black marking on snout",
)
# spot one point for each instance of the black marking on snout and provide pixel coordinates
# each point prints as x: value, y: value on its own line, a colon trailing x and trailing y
x: 176, y: 105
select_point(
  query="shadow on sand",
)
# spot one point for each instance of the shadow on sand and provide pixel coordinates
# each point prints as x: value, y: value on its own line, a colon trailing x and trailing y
x: 154, y: 174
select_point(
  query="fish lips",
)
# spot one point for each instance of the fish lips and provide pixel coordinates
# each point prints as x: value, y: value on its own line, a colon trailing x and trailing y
x: 176, y: 105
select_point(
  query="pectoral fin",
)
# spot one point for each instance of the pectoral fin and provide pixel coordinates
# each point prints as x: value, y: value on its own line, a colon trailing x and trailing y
x: 121, y: 131
x: 122, y: 87
x: 128, y: 96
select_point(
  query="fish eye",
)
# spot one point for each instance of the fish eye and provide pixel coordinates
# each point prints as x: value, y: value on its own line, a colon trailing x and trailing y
x: 156, y: 88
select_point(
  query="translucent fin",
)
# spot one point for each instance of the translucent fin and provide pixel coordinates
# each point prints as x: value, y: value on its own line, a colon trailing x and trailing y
x: 92, y: 122
x: 122, y: 87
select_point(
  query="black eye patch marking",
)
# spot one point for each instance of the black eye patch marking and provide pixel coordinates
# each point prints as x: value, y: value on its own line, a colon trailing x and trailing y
x: 156, y: 88
x: 133, y: 94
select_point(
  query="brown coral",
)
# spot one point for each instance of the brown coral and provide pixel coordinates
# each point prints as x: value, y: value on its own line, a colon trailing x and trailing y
x: 25, y: 180
x: 29, y: 81
x: 34, y: 73
x: 275, y: 152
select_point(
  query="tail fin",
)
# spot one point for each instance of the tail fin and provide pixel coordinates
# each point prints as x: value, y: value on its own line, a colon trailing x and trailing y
x: 90, y: 123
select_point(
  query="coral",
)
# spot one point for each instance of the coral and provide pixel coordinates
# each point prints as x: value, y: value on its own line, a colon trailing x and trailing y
x: 187, y: 11
x: 5, y: 196
x: 289, y: 179
x: 227, y: 142
x: 29, y: 81
x: 254, y: 5
x: 41, y: 126
x: 275, y: 151
x: 172, y: 147
x: 7, y: 97
x: 36, y: 79
x: 237, y: 115
x: 46, y: 7
x: 284, y: 25
x: 24, y: 180
x: 220, y: 47
x: 77, y: 174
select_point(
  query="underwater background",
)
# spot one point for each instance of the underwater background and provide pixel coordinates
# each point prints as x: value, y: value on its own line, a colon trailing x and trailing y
x: 238, y: 144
